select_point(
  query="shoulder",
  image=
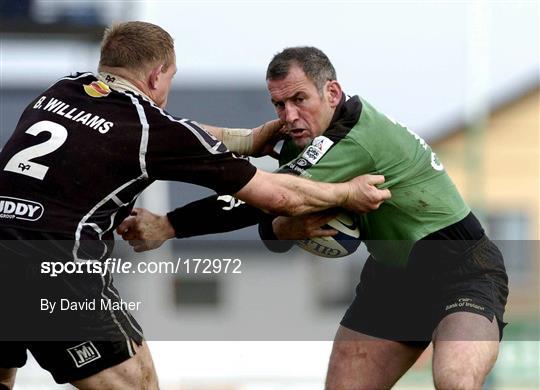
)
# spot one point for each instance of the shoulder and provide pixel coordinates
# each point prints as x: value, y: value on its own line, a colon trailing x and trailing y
x: 79, y: 78
x: 167, y: 128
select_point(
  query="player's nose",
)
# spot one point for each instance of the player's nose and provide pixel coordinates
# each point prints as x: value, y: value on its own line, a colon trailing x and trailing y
x: 291, y: 113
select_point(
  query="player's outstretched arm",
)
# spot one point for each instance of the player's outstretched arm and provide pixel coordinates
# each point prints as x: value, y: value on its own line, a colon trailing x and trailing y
x: 145, y: 230
x: 290, y: 195
x: 259, y: 141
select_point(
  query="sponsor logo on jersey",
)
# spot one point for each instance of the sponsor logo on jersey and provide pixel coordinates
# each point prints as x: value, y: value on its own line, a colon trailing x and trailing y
x: 319, y: 146
x: 83, y: 353
x: 15, y: 208
x: 97, y: 89
x: 301, y: 162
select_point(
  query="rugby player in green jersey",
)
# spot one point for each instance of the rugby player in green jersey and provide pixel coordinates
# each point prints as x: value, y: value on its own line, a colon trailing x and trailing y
x: 432, y: 274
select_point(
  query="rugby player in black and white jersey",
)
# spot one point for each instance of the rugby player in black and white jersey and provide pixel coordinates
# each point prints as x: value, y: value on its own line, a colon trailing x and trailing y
x: 80, y: 155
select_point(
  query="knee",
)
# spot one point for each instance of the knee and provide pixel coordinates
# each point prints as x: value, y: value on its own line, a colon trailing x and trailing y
x: 457, y: 378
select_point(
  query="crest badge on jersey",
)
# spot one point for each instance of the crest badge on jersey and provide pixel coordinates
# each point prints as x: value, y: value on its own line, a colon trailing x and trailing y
x: 317, y: 149
x: 97, y: 89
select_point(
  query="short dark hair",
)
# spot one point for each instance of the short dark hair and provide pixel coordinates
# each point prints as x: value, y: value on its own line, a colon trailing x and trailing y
x: 311, y: 60
x: 136, y: 45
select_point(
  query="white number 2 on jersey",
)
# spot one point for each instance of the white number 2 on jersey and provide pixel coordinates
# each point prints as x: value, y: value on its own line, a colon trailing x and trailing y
x: 22, y: 162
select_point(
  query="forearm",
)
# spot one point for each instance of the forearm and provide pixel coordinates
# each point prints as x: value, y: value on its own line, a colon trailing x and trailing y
x: 237, y: 140
x: 212, y: 215
x: 291, y: 195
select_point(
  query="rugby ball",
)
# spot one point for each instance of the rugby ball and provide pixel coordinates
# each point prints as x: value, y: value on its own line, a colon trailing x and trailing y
x: 342, y: 244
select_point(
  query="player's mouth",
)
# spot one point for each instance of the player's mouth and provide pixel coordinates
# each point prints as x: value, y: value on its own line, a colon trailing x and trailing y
x: 298, y: 133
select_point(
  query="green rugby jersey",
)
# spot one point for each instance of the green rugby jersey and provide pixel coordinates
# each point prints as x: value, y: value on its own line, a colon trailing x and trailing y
x: 362, y: 140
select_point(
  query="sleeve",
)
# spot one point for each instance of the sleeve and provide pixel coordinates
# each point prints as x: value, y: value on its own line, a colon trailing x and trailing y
x: 180, y: 150
x: 215, y: 214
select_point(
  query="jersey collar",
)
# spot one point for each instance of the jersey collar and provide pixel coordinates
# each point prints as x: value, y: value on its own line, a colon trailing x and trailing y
x: 120, y: 84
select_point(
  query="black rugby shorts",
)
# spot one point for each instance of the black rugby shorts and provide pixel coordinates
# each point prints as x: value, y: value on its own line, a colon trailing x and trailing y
x: 71, y: 344
x: 406, y: 305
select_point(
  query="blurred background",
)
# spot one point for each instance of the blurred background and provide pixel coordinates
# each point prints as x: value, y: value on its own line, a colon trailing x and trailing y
x: 464, y: 75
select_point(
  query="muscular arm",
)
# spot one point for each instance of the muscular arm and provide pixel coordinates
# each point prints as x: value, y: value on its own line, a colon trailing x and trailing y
x: 278, y: 193
x: 215, y: 214
x: 291, y: 195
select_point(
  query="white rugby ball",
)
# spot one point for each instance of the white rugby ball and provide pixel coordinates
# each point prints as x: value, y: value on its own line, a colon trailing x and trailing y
x: 342, y: 244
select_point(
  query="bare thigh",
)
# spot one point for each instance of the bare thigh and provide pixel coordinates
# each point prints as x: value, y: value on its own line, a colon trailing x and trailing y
x: 359, y: 361
x: 465, y: 348
x: 137, y: 372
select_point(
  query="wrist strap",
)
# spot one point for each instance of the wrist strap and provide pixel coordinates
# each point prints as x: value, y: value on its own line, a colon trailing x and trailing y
x: 238, y: 140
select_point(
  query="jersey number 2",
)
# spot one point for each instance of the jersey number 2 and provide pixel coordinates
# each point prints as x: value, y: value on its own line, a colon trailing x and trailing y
x: 22, y: 162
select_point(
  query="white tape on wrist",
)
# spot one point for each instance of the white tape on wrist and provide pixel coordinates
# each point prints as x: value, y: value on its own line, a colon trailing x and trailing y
x: 238, y: 140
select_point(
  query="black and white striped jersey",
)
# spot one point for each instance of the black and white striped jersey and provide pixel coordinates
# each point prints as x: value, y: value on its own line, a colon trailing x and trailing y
x: 82, y: 153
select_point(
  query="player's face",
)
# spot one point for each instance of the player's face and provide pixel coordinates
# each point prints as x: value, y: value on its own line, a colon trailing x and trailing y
x: 164, y: 85
x: 300, y: 105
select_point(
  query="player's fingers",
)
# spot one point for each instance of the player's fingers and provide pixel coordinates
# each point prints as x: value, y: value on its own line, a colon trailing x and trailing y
x: 126, y: 224
x: 374, y: 179
x: 383, y: 195
x: 140, y: 248
x: 323, y: 233
x: 130, y: 235
x: 386, y: 194
x: 134, y: 242
x: 322, y: 219
x: 143, y: 246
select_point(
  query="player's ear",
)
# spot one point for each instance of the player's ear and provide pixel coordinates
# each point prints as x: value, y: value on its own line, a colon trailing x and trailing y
x: 333, y: 92
x: 155, y: 74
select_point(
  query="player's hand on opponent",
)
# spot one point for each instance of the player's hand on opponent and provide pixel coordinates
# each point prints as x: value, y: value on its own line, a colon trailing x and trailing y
x: 303, y: 226
x: 266, y: 136
x: 145, y: 230
x: 364, y: 196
